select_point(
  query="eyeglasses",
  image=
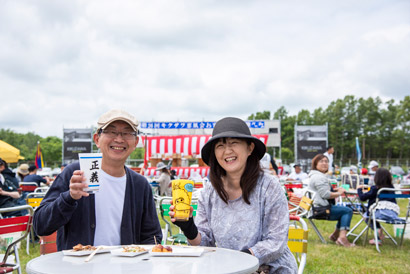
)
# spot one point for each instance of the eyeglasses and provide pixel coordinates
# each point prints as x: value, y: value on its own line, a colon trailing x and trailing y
x: 324, y: 161
x: 125, y: 135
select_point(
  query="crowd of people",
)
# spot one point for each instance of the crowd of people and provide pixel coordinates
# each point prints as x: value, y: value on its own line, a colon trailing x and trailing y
x: 243, y: 207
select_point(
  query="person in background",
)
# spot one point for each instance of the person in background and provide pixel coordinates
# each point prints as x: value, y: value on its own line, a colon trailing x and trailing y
x: 9, y: 196
x: 22, y: 171
x: 297, y: 174
x: 8, y: 173
x: 63, y: 166
x: 164, y: 180
x: 242, y: 208
x: 329, y: 154
x: 173, y: 174
x: 265, y: 164
x: 387, y: 209
x: 122, y: 212
x: 319, y: 183
x: 33, y: 177
x: 373, y: 167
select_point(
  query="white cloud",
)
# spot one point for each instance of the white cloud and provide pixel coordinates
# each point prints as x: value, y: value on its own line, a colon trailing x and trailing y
x: 68, y: 62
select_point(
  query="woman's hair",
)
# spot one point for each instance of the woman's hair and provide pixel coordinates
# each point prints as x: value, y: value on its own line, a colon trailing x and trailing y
x: 165, y: 170
x: 383, y: 178
x: 316, y: 160
x: 249, y: 177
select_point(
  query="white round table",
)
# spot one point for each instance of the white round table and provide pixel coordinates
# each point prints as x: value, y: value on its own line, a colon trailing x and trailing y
x: 213, y: 260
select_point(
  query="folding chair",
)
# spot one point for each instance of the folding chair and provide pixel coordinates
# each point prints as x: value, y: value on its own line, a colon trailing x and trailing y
x: 48, y: 244
x: 28, y: 186
x: 353, y: 180
x: 164, y: 204
x: 41, y: 189
x: 304, y: 208
x: 298, y: 240
x: 14, y: 225
x: 33, y: 199
x: 387, y: 193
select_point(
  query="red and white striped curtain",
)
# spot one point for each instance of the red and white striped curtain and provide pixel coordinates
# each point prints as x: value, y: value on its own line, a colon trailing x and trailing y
x: 183, y: 172
x: 182, y: 144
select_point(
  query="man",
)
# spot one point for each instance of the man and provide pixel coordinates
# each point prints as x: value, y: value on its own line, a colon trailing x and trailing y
x: 329, y: 154
x: 297, y: 175
x: 373, y: 167
x: 8, y: 173
x: 8, y: 192
x: 33, y: 177
x: 122, y: 211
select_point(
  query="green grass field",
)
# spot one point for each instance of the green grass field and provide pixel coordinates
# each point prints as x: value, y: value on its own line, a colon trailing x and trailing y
x: 328, y: 258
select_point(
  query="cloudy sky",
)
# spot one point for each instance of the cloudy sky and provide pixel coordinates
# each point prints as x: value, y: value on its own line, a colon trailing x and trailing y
x: 64, y: 63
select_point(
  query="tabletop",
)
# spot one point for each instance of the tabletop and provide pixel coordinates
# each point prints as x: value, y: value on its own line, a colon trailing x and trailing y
x: 213, y: 260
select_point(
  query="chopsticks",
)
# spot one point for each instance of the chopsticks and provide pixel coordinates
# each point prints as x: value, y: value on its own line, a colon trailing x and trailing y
x: 93, y: 253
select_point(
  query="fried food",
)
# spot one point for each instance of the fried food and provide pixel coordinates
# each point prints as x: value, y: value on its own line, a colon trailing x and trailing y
x: 161, y: 248
x: 81, y: 247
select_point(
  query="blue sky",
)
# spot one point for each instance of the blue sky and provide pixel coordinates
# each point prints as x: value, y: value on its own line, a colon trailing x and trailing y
x: 64, y: 63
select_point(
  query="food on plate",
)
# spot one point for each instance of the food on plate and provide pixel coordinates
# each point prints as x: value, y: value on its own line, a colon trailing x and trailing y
x: 133, y: 249
x: 81, y: 247
x: 161, y: 248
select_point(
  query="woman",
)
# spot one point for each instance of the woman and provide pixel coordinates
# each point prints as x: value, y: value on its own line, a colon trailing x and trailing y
x: 319, y: 183
x: 164, y: 180
x: 242, y: 208
x: 22, y: 171
x: 387, y: 208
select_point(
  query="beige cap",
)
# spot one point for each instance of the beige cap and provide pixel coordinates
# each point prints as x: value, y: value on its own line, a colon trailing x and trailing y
x: 23, y: 169
x: 117, y: 115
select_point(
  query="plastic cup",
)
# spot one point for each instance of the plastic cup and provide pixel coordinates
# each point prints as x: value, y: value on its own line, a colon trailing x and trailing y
x: 90, y: 163
x: 181, y: 198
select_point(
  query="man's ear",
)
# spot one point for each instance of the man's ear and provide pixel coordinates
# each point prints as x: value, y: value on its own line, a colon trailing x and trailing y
x: 96, y: 138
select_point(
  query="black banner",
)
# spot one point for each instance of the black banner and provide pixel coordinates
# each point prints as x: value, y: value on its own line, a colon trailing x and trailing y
x: 76, y: 141
x: 309, y: 149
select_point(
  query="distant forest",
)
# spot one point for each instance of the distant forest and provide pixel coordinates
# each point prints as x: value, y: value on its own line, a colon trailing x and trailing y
x: 383, y: 129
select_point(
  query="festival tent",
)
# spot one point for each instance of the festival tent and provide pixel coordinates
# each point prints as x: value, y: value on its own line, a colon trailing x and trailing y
x: 9, y: 153
x: 184, y: 144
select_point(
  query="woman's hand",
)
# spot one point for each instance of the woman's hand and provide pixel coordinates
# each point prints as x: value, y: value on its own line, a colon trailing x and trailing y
x: 361, y: 186
x: 172, y: 212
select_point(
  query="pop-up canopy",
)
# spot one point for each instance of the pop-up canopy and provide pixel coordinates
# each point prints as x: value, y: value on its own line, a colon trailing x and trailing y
x: 9, y: 153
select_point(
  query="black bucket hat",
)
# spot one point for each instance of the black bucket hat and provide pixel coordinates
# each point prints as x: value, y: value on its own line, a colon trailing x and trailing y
x: 231, y: 127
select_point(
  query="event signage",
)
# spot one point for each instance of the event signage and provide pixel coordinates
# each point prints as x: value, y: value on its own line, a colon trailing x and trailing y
x: 76, y: 141
x: 192, y: 125
x: 310, y: 141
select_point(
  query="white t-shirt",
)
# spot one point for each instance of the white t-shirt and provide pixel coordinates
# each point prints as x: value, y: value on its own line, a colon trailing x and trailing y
x: 109, y: 204
x: 265, y: 162
x: 330, y: 157
x: 298, y: 176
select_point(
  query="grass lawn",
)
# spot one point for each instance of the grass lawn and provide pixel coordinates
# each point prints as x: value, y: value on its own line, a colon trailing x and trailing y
x: 328, y: 258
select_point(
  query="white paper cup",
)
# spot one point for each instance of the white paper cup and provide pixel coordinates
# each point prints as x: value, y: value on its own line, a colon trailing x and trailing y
x: 90, y: 164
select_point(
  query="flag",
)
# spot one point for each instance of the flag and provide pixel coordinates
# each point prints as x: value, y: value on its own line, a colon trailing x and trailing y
x: 39, y: 157
x: 359, y: 153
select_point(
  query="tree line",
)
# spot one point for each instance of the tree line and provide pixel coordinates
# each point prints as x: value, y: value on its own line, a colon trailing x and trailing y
x: 383, y: 128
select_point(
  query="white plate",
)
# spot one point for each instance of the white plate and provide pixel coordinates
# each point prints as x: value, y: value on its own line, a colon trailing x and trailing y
x: 120, y: 252
x: 71, y: 252
x: 180, y: 252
